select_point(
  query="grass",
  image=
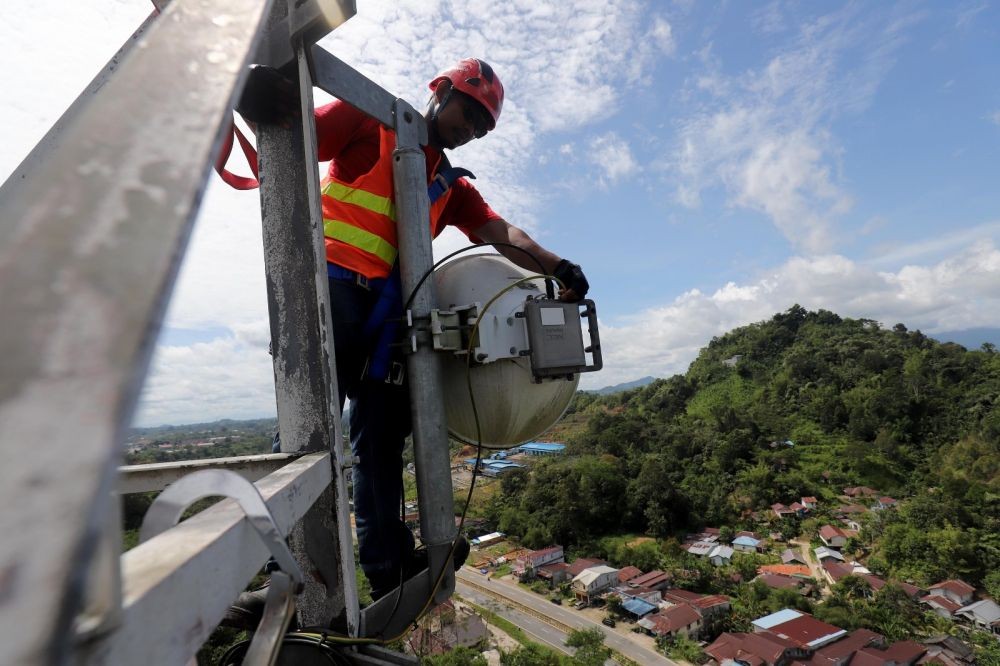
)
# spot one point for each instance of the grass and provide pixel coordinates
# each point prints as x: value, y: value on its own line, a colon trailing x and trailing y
x: 506, y: 626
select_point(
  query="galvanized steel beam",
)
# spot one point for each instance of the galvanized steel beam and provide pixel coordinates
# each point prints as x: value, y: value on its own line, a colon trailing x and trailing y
x: 430, y: 426
x: 157, y: 476
x: 178, y: 585
x: 90, y: 245
x: 44, y: 148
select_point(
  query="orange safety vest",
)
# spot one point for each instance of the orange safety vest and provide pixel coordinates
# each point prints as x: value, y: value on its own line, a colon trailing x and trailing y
x: 359, y: 218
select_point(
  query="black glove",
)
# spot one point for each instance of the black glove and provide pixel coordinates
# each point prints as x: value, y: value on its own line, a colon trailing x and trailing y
x: 572, y: 277
x: 268, y: 98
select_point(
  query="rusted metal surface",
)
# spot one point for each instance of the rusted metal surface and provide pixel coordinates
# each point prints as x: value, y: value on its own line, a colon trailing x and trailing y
x: 157, y: 476
x: 178, y: 585
x: 302, y: 340
x: 90, y: 244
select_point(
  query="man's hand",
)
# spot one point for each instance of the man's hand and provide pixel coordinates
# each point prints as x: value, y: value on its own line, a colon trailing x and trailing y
x: 575, y: 285
x: 268, y: 98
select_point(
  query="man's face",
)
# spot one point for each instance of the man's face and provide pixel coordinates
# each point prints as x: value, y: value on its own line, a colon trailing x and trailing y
x: 461, y: 120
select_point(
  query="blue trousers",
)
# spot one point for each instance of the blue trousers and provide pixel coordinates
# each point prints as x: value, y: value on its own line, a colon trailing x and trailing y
x: 379, y: 423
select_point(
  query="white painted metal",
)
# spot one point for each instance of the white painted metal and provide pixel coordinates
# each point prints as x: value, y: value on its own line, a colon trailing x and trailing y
x: 90, y: 243
x: 512, y: 408
x: 178, y: 585
x: 157, y: 476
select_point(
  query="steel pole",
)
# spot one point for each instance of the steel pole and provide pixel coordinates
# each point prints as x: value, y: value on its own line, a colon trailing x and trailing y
x: 430, y: 430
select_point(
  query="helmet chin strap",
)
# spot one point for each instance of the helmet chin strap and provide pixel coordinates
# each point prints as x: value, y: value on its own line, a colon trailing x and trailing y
x: 434, y: 114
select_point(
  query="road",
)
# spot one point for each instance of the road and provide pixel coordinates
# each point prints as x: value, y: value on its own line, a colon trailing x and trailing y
x: 817, y: 571
x: 539, y: 631
x: 560, y: 617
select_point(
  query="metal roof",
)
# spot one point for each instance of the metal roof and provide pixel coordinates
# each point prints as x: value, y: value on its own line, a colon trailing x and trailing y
x: 774, y: 619
x: 542, y: 446
x: 638, y: 607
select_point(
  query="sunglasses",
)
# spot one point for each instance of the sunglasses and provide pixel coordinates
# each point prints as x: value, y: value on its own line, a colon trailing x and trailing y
x: 475, y: 115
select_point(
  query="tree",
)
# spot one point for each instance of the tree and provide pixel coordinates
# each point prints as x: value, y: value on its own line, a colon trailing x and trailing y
x: 531, y: 654
x: 589, y: 644
x: 614, y: 603
x: 992, y: 584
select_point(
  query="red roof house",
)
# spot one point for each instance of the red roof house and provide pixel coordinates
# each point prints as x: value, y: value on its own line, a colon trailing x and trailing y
x: 957, y: 590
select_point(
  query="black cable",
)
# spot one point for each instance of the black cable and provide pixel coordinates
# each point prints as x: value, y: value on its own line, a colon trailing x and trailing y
x: 479, y: 446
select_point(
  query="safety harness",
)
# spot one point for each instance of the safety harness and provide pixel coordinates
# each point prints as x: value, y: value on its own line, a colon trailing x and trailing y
x: 382, y: 324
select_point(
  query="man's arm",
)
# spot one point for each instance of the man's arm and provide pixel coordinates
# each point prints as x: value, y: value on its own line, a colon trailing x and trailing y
x: 501, y: 231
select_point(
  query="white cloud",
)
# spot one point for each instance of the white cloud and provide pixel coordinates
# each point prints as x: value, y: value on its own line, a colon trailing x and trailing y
x: 763, y: 135
x: 224, y: 378
x: 958, y: 292
x: 662, y: 35
x: 613, y: 156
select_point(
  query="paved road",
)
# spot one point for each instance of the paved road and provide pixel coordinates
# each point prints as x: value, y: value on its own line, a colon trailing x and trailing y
x: 539, y: 631
x: 562, y: 616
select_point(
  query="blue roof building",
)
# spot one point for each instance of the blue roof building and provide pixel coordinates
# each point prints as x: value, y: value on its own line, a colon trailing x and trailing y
x: 638, y: 607
x: 543, y: 449
x: 498, y: 467
x: 745, y: 543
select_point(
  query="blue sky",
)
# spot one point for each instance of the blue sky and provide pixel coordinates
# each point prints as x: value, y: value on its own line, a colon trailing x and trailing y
x: 708, y: 164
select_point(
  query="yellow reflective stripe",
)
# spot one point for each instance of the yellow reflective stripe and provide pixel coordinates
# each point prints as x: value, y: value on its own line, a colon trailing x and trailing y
x: 366, y: 200
x: 359, y: 238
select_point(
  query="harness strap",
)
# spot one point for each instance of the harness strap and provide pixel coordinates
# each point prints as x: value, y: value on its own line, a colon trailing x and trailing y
x: 234, y: 181
x: 388, y: 311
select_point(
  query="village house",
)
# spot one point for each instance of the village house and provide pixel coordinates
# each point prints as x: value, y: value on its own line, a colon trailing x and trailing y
x: 647, y: 594
x: 801, y: 628
x: 957, y: 591
x: 799, y: 509
x: 948, y: 651
x: 580, y: 564
x: 941, y: 605
x: 526, y: 565
x: 779, y: 582
x: 789, y: 556
x: 797, y: 570
x: 679, y: 620
x: 824, y: 554
x: 593, y: 581
x: 746, y: 544
x: 903, y: 653
x: 756, y: 649
x: 554, y: 574
x: 810, y: 503
x: 840, y: 652
x: 721, y: 556
x: 655, y: 580
x: 983, y: 614
x: 833, y: 537
x: 706, y: 605
x: 699, y: 548
x: 884, y: 503
x: 626, y: 574
x: 636, y: 608
x: 782, y: 511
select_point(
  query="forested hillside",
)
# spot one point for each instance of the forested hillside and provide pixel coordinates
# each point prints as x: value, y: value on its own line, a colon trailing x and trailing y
x: 805, y: 404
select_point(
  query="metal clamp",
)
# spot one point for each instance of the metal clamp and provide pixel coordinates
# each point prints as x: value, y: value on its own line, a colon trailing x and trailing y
x: 279, y: 607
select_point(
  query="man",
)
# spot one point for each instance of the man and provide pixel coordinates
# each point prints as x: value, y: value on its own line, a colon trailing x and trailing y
x: 361, y: 248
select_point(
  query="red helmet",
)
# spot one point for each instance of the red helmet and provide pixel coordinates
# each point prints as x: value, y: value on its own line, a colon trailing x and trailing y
x: 476, y: 79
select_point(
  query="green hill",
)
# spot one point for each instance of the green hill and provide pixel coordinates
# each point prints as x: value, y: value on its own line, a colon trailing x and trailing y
x: 806, y: 403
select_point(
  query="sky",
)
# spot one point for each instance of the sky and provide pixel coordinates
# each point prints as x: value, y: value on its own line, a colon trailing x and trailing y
x: 707, y: 164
